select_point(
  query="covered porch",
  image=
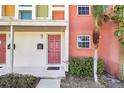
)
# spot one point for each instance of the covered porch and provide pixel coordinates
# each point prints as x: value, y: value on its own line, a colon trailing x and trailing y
x: 24, y: 57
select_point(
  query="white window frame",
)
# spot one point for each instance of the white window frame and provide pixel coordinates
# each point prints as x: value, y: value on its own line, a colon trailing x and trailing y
x: 84, y: 6
x: 24, y: 5
x: 24, y: 8
x: 85, y: 41
x: 33, y: 9
x: 0, y: 11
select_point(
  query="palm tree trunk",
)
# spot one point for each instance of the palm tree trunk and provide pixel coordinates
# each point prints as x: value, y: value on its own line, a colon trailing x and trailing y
x: 95, y: 59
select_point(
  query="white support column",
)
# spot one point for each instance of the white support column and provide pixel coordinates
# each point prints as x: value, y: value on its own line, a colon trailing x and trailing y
x: 33, y: 12
x: 66, y: 37
x: 0, y: 11
x: 50, y: 12
x: 11, y: 48
x: 17, y: 12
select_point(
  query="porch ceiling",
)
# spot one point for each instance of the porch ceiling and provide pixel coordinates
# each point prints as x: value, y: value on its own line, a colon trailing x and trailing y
x: 34, y: 28
x: 33, y: 25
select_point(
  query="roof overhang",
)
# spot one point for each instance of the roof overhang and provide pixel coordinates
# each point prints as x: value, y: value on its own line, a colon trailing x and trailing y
x: 34, y: 23
x: 34, y: 26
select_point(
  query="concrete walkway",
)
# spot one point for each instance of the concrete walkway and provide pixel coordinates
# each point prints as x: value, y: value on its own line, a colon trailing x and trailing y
x: 49, y: 83
x: 35, y: 71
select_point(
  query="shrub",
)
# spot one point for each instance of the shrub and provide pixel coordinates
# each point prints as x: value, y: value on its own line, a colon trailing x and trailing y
x: 84, y: 66
x: 18, y: 81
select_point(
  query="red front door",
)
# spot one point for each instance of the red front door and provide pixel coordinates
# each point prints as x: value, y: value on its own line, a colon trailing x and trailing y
x: 54, y: 49
x: 2, y: 48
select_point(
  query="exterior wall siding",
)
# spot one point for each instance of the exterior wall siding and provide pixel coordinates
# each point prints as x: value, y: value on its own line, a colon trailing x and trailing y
x: 109, y: 48
x: 27, y: 54
x: 79, y: 25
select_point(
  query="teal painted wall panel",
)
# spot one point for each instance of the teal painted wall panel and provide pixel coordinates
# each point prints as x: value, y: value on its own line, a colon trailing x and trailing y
x: 25, y: 15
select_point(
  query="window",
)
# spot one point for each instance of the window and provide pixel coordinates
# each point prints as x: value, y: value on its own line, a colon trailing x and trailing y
x: 83, y: 41
x: 25, y: 14
x: 83, y: 10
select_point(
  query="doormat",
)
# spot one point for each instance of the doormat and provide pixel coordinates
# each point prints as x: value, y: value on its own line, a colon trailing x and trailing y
x: 53, y: 68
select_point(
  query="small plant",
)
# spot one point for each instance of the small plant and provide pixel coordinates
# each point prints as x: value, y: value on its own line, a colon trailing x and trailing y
x: 84, y: 66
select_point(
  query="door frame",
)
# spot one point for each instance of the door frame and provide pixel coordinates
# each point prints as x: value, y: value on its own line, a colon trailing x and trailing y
x: 60, y: 49
x: 1, y: 65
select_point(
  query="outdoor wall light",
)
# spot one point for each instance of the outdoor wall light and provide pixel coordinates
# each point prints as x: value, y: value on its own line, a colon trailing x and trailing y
x: 39, y: 46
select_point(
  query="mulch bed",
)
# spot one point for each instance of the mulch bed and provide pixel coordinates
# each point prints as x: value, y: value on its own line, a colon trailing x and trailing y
x: 106, y: 81
x: 79, y: 82
x: 111, y: 82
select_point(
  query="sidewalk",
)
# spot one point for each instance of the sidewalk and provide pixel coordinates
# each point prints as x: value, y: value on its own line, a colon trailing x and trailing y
x: 49, y: 83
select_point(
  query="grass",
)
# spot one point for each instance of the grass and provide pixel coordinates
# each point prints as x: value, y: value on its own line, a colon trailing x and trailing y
x: 18, y: 81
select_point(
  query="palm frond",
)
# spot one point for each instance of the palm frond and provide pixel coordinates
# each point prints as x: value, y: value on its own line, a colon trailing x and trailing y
x: 98, y: 13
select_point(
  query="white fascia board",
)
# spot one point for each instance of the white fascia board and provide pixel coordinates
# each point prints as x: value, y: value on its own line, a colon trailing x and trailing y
x: 0, y: 11
x: 58, y: 8
x: 36, y: 23
x: 25, y: 8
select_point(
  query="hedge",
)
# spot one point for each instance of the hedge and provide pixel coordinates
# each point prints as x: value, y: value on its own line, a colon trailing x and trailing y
x: 84, y: 66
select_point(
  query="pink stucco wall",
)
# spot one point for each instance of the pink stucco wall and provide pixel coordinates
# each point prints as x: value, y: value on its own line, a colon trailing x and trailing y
x: 108, y: 47
x: 79, y: 25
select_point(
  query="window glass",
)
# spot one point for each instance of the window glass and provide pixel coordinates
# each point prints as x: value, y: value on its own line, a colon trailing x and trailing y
x: 83, y: 41
x: 83, y: 10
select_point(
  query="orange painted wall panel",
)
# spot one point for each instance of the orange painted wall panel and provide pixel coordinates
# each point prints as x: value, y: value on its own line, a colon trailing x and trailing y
x: 9, y: 10
x: 58, y: 15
